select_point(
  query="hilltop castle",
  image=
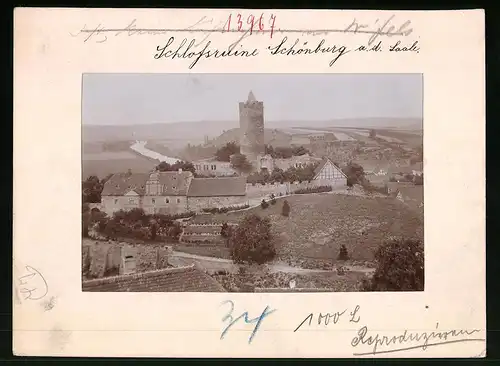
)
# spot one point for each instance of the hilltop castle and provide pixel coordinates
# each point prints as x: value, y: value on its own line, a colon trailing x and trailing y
x: 252, y: 128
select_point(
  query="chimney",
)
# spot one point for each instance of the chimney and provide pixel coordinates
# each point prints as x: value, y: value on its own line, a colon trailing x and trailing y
x: 128, y: 261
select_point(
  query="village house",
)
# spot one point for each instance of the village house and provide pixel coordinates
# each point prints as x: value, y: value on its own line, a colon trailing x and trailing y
x: 216, y: 192
x: 300, y: 161
x: 328, y: 174
x: 157, y: 192
x: 212, y: 167
x: 170, y: 192
x: 181, y: 279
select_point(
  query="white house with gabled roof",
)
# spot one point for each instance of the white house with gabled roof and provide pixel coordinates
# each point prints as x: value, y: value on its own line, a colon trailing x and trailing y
x: 329, y: 174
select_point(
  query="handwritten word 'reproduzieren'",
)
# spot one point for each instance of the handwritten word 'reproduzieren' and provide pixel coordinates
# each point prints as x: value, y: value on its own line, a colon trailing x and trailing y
x: 330, y: 318
x: 264, y: 23
x: 32, y: 284
x: 232, y: 321
x: 406, y: 340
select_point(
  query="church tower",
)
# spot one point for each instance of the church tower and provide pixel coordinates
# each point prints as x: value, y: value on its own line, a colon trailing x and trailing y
x: 252, y: 128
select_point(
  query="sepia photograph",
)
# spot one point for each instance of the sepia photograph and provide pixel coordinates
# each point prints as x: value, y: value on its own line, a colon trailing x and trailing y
x: 252, y: 182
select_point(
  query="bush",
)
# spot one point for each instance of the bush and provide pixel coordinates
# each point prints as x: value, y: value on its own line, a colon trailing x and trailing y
x: 273, y: 199
x: 264, y: 204
x: 419, y: 180
x: 251, y: 241
x: 285, y: 210
x: 313, y: 190
x: 400, y: 267
x: 215, y: 210
x: 225, y: 230
x: 343, y: 255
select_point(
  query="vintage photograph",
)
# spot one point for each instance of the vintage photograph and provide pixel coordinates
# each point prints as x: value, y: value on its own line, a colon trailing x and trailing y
x: 252, y: 182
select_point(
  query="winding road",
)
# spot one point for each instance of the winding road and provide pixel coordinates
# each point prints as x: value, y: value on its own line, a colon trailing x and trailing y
x: 225, y: 264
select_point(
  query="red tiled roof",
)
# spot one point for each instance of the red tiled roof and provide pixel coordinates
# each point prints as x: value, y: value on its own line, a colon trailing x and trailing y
x: 174, y: 183
x: 183, y: 279
x: 223, y: 186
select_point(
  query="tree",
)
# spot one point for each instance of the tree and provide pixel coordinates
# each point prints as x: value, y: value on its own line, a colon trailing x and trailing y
x: 91, y: 190
x: 224, y: 231
x: 251, y: 241
x: 154, y: 229
x: 179, y: 164
x: 400, y: 267
x: 373, y: 133
x: 240, y: 162
x: 343, y: 255
x: 355, y: 174
x: 419, y: 180
x: 264, y: 204
x: 277, y: 175
x: 225, y: 152
x: 299, y: 150
x: 285, y: 210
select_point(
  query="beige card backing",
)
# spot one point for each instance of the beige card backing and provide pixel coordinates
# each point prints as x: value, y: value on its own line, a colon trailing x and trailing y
x: 50, y: 56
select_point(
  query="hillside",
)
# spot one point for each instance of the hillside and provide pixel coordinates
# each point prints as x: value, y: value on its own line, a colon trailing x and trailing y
x: 271, y: 137
x: 320, y: 223
x: 194, y: 132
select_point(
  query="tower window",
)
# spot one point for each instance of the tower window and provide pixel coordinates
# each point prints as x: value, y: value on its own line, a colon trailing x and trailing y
x: 116, y: 202
x: 166, y: 200
x: 178, y: 200
x: 153, y: 200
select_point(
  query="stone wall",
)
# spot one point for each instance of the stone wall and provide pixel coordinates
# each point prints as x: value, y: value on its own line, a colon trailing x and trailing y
x: 265, y: 190
x: 197, y: 204
x: 167, y: 205
x: 150, y: 204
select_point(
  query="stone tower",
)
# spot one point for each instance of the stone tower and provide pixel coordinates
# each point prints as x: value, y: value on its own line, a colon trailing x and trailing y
x: 252, y: 128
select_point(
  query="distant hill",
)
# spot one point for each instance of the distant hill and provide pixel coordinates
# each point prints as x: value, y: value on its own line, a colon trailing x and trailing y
x: 271, y: 137
x: 194, y: 132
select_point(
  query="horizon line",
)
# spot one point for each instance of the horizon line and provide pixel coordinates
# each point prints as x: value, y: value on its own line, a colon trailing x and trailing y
x: 268, y: 121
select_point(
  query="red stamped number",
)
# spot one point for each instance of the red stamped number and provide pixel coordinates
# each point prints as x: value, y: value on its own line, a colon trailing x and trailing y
x: 251, y: 23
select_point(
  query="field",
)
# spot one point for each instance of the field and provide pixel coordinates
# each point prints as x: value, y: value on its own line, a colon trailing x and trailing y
x: 104, y: 158
x: 103, y: 167
x: 319, y: 223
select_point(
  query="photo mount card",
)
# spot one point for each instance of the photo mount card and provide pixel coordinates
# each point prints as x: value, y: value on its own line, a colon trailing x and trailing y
x: 249, y: 183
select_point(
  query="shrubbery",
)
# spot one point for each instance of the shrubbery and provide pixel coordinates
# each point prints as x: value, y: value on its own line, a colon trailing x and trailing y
x: 343, y: 254
x: 285, y: 210
x: 251, y: 241
x: 400, y: 267
x: 313, y: 190
x: 137, y: 224
x: 216, y: 210
x: 264, y: 204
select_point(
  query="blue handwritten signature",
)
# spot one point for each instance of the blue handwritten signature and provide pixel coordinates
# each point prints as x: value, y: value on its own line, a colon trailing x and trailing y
x: 231, y: 320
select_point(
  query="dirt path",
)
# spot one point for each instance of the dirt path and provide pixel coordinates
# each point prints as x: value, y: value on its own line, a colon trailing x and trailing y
x: 276, y: 267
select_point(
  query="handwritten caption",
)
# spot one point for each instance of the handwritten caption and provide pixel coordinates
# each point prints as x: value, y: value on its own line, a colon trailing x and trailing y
x: 31, y: 284
x: 230, y: 320
x: 377, y: 343
x: 379, y: 37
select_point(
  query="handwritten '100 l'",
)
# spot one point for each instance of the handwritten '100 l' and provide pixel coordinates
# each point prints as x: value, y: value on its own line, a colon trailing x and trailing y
x: 231, y: 320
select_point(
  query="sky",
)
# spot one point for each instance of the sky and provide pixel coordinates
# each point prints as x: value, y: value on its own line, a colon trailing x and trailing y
x: 128, y: 99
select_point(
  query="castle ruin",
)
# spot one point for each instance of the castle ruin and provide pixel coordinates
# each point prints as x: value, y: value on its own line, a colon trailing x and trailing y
x: 252, y: 128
